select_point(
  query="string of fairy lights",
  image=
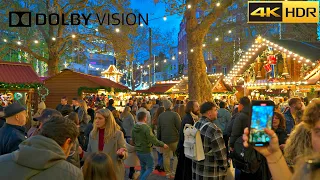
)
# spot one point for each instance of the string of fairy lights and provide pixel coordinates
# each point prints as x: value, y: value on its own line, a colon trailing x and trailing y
x: 246, y: 59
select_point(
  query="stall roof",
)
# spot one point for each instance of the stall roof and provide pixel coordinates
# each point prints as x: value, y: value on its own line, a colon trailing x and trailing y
x: 97, y: 80
x: 309, y: 50
x: 16, y: 73
x: 158, y: 88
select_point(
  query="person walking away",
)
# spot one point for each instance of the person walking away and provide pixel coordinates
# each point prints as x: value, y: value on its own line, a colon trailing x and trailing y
x: 98, y: 166
x: 143, y: 140
x: 224, y: 117
x: 184, y: 167
x: 159, y: 166
x: 110, y: 105
x: 214, y: 166
x: 127, y: 123
x: 12, y: 133
x: 295, y: 104
x: 154, y: 109
x: 143, y: 108
x: 116, y: 116
x: 107, y: 137
x: 75, y: 157
x: 63, y: 104
x: 80, y: 107
x: 169, y: 123
x: 44, y: 156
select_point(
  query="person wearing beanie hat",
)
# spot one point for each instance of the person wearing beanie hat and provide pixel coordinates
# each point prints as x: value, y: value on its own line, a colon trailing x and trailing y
x: 13, y: 133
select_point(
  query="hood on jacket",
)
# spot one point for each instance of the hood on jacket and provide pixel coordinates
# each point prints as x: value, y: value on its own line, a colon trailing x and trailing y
x: 39, y: 152
x: 155, y: 106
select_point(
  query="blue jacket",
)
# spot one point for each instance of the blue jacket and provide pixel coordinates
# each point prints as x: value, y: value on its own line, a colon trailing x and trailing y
x: 290, y: 123
x: 224, y: 116
x: 11, y: 137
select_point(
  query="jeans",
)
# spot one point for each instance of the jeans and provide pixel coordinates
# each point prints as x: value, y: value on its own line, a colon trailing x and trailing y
x: 146, y: 163
x: 167, y: 156
x: 160, y: 159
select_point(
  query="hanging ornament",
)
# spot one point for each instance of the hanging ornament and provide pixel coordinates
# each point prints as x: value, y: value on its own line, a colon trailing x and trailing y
x: 285, y: 68
x: 267, y: 67
x: 17, y: 96
x: 272, y: 59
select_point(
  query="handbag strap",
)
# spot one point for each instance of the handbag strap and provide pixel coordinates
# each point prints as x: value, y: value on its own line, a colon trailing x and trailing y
x: 204, y: 125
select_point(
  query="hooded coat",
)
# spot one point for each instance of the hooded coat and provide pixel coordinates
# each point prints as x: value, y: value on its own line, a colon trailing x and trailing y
x: 38, y: 158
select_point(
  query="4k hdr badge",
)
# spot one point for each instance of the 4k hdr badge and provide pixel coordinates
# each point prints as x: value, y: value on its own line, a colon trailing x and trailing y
x: 283, y: 12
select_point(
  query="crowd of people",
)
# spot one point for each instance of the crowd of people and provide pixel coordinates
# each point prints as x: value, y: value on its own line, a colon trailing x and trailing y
x: 77, y: 141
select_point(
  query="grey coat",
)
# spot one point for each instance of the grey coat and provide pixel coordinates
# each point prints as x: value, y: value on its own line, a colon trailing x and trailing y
x: 38, y: 158
x: 110, y: 148
x: 128, y: 123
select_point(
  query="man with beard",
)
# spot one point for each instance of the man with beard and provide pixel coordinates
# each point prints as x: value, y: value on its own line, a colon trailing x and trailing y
x: 184, y: 167
x: 295, y: 105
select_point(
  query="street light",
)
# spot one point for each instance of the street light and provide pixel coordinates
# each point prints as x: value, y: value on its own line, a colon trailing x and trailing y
x: 5, y: 40
x: 230, y: 31
x: 117, y: 30
x: 164, y: 18
x: 189, y: 6
x: 180, y: 52
x: 53, y: 38
x: 73, y: 36
x: 97, y: 29
x: 218, y: 4
x: 173, y: 58
x: 19, y: 43
x: 203, y: 45
x: 165, y: 61
x: 217, y: 39
x: 36, y: 41
x: 156, y: 64
x: 191, y: 50
x: 141, y: 25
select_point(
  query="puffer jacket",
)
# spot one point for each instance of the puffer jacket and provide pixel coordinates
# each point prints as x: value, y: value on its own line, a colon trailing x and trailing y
x: 10, y: 138
x: 38, y: 158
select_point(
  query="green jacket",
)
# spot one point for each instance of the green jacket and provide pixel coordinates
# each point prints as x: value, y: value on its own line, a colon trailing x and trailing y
x: 38, y: 158
x: 168, y: 127
x: 143, y: 138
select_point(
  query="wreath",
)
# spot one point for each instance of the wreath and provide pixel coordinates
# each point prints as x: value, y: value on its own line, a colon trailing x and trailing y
x: 43, y: 92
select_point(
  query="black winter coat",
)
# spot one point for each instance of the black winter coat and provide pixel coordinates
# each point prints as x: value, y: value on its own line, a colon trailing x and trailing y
x: 184, y: 167
x: 11, y: 137
x: 240, y: 123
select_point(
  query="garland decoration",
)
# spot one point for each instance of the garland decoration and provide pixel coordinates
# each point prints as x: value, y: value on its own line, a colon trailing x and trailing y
x: 93, y: 90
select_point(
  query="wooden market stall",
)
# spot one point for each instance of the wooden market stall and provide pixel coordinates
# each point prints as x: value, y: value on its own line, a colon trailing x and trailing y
x: 278, y: 67
x: 19, y: 82
x: 74, y: 84
x: 160, y: 89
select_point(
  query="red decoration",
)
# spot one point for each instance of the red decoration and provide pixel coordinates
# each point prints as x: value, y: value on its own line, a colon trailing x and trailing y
x: 268, y: 68
x: 272, y: 59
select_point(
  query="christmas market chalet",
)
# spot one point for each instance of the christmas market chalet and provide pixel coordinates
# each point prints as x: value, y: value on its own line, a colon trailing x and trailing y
x: 179, y: 88
x: 278, y: 67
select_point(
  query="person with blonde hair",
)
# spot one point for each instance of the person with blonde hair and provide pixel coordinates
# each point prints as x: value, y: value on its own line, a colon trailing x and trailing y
x: 298, y: 144
x: 98, y: 166
x: 107, y: 137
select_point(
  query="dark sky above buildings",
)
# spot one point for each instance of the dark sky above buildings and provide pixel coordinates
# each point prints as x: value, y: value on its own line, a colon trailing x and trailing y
x: 158, y: 11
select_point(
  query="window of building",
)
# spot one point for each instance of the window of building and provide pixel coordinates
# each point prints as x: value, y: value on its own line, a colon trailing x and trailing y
x: 214, y: 70
x: 224, y: 69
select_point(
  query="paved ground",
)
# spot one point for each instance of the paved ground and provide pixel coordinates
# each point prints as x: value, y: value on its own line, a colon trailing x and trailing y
x: 162, y: 176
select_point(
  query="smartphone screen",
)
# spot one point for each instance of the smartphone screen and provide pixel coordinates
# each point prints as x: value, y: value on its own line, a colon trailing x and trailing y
x: 261, y: 118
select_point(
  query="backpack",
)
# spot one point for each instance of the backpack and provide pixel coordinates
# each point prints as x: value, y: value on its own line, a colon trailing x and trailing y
x: 247, y: 160
x: 193, y: 148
